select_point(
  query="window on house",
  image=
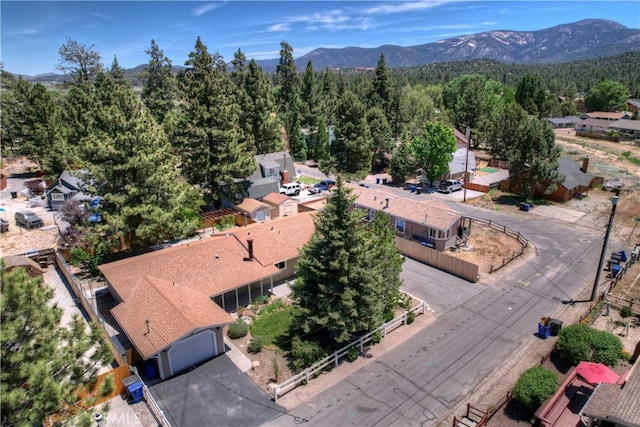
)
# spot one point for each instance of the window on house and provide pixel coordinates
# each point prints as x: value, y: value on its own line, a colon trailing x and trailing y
x: 58, y: 197
x: 400, y: 226
x: 272, y: 171
x: 282, y: 265
x: 448, y: 233
x: 440, y: 234
x: 432, y: 232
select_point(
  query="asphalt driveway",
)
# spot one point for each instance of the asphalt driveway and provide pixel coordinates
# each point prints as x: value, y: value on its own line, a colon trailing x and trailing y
x: 216, y: 393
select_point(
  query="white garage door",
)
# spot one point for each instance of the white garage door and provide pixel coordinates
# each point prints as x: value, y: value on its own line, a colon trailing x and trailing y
x: 192, y: 350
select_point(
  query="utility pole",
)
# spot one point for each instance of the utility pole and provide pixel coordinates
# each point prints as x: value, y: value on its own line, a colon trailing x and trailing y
x: 467, y: 135
x: 614, y: 203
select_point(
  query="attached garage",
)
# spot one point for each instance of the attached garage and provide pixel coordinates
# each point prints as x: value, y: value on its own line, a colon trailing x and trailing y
x: 192, y: 350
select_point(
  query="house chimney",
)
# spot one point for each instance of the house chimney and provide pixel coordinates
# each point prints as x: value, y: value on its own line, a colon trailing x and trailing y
x: 250, y: 245
x: 386, y: 205
x: 585, y: 164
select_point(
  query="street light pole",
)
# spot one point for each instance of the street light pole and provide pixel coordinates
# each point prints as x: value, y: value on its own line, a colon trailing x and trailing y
x: 614, y: 203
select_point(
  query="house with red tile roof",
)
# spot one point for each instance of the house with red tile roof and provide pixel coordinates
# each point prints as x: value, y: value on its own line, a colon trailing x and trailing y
x: 430, y: 222
x: 173, y: 303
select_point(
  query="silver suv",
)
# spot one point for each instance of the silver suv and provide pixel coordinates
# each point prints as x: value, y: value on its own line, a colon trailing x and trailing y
x: 28, y: 219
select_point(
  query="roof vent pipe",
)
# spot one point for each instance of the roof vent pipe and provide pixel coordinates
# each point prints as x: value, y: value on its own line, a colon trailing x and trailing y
x: 250, y: 246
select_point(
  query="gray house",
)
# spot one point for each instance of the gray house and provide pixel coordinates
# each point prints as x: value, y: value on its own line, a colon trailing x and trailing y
x: 68, y: 186
x: 273, y: 170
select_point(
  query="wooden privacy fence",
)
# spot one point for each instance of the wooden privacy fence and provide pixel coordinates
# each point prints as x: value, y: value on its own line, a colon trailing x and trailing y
x: 333, y: 360
x: 437, y: 259
x: 93, y: 391
x: 477, y: 187
x: 509, y: 232
x: 76, y: 286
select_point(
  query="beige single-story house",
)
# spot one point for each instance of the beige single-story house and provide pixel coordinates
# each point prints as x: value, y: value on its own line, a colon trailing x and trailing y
x: 253, y: 211
x: 174, y: 303
x: 430, y: 222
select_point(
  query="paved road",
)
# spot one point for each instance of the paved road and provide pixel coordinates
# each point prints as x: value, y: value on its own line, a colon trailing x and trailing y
x: 421, y: 381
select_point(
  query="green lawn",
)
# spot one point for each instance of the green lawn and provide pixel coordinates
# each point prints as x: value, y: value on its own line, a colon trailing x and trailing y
x: 272, y: 326
x: 308, y: 180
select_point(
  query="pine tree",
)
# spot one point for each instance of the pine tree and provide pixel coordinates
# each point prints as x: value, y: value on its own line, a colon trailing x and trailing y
x: 381, y: 136
x: 402, y: 162
x: 385, y: 260
x: 382, y: 87
x: 351, y: 151
x: 81, y: 62
x: 433, y: 150
x: 159, y: 84
x: 131, y: 166
x: 336, y: 288
x: 530, y: 94
x: 288, y: 99
x: 258, y: 116
x: 43, y: 362
x: 214, y: 154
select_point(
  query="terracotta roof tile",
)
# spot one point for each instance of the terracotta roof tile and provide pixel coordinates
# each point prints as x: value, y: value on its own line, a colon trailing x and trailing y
x: 430, y: 212
x: 173, y: 312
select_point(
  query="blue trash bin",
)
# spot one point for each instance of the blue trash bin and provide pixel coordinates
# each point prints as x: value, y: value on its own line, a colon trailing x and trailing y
x: 544, y: 331
x: 615, y: 269
x: 134, y: 387
x: 413, y: 188
x: 377, y: 180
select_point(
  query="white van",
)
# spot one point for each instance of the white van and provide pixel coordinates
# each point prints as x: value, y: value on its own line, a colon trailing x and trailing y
x: 290, y: 189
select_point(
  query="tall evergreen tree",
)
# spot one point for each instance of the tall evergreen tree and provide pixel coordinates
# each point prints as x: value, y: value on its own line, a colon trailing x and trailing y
x: 381, y: 91
x: 258, y: 113
x: 351, y: 151
x: 433, y: 150
x: 533, y: 159
x: 41, y: 126
x: 530, y: 94
x: 214, y: 154
x: 386, y: 261
x: 288, y: 99
x: 131, y: 167
x: 159, y: 84
x: 336, y: 288
x: 402, y: 162
x: 381, y: 137
x: 43, y: 362
x: 506, y: 129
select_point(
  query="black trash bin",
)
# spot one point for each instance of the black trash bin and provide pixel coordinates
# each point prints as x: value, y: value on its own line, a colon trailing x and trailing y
x: 418, y: 190
x: 14, y: 194
x: 556, y: 325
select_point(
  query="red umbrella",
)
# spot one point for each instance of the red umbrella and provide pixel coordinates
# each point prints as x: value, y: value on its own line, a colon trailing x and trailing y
x: 596, y: 373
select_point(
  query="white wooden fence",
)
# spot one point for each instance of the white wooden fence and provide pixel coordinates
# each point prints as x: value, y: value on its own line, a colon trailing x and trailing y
x: 335, y: 358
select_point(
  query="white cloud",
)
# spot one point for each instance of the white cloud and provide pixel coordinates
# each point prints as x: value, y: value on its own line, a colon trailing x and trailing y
x: 279, y: 27
x: 102, y: 16
x: 402, y: 7
x: 201, y: 10
x: 23, y: 32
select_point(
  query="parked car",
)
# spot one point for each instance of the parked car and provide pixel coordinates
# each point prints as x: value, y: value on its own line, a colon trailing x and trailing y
x: 28, y: 219
x: 317, y: 188
x: 329, y: 183
x: 290, y: 189
x: 4, y: 225
x: 450, y: 185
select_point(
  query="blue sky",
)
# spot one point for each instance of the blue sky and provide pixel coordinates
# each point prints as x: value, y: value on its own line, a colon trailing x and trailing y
x: 32, y: 31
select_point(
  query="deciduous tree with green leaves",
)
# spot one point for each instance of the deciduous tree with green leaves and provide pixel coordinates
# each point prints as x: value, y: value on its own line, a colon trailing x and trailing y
x: 533, y: 159
x: 605, y: 95
x: 337, y: 290
x: 433, y: 150
x: 43, y: 362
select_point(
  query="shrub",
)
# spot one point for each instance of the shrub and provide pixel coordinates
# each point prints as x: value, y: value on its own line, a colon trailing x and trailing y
x: 388, y: 315
x: 581, y: 342
x: 376, y: 338
x: 625, y: 312
x: 305, y: 353
x: 411, y: 316
x: 238, y: 329
x: 274, y: 306
x: 534, y: 386
x: 255, y: 345
x: 353, y: 353
x: 261, y: 300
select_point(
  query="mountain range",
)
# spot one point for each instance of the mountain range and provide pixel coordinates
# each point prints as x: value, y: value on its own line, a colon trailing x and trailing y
x: 587, y: 39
